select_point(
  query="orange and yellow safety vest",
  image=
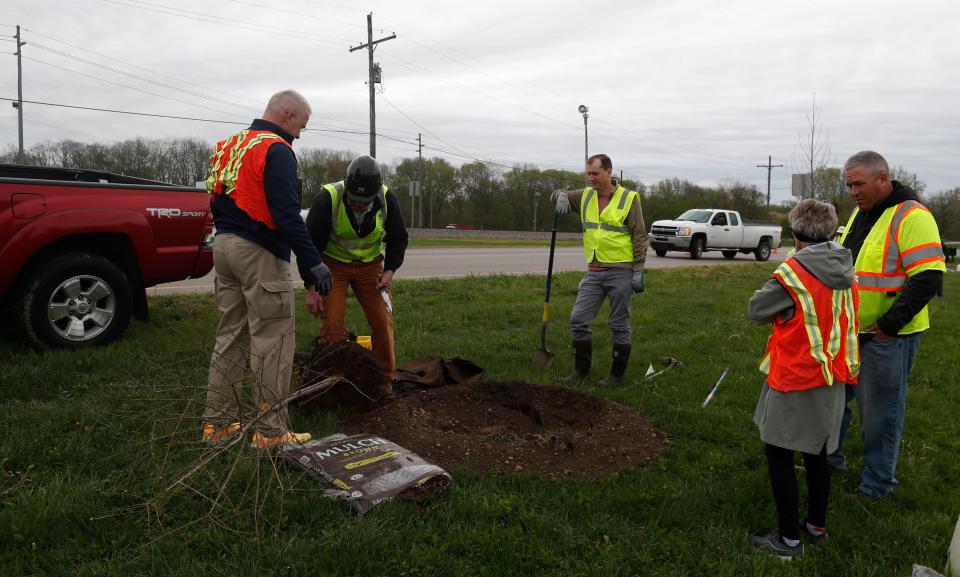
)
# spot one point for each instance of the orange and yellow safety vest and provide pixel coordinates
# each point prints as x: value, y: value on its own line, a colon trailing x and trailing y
x: 236, y: 169
x: 818, y: 345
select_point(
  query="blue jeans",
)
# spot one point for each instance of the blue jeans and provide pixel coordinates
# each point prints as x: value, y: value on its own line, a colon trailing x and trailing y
x: 882, y: 401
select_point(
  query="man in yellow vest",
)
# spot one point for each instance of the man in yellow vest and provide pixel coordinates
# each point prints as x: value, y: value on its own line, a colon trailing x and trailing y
x: 358, y: 226
x: 254, y: 197
x: 899, y: 265
x: 615, y: 248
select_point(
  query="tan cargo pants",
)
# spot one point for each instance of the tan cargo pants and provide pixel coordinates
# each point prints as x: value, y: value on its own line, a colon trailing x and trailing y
x: 255, y: 298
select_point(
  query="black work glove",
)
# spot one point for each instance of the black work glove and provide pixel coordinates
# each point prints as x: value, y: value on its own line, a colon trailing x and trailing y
x: 323, y: 277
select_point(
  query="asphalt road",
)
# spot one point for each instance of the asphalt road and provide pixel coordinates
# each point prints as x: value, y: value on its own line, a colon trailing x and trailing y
x: 457, y: 262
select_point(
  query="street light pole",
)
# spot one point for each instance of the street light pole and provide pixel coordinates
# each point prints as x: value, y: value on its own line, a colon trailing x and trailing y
x: 583, y: 110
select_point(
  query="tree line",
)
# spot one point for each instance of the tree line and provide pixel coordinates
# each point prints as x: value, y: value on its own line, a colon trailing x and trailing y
x: 475, y: 194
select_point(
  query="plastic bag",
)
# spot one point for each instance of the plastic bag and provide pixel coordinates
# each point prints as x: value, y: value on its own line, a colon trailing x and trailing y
x: 367, y: 469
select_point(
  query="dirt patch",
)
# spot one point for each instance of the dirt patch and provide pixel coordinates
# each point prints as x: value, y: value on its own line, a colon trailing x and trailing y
x: 362, y: 384
x: 485, y: 426
x: 514, y: 427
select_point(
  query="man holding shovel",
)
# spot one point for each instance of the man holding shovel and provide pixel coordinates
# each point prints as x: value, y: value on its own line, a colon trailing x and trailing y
x: 615, y: 247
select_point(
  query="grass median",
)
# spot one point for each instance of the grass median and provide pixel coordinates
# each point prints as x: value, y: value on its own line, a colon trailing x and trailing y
x: 89, y: 439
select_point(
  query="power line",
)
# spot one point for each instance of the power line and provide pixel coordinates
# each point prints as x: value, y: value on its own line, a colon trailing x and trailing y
x: 313, y: 117
x: 128, y: 86
x: 32, y: 31
x: 425, y: 129
x: 142, y: 78
x: 265, y: 7
x: 233, y: 22
x: 175, y: 117
x: 125, y: 111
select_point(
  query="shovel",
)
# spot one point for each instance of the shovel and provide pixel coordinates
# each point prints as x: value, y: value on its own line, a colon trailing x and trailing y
x: 543, y: 356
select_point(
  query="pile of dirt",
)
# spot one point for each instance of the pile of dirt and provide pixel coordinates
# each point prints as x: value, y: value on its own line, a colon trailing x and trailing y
x: 514, y: 427
x: 361, y: 385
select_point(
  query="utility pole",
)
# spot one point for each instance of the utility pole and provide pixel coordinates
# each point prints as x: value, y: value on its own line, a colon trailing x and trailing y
x: 420, y: 176
x: 19, y: 102
x: 769, y: 166
x: 373, y: 72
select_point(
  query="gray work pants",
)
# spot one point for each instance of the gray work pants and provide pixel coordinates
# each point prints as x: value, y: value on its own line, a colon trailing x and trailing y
x: 613, y: 283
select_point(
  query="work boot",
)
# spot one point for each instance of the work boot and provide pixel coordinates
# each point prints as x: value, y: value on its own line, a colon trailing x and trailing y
x: 385, y: 392
x: 214, y: 435
x: 621, y: 356
x: 582, y: 355
x: 261, y: 441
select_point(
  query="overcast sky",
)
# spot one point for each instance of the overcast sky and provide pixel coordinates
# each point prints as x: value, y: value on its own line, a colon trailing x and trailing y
x: 701, y: 90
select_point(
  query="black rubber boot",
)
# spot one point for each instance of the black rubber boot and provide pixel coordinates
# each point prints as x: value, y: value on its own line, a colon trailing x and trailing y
x: 621, y: 357
x: 582, y: 355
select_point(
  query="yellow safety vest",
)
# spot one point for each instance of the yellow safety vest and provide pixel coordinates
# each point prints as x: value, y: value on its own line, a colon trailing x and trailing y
x: 345, y: 245
x: 605, y: 235
x: 905, y: 241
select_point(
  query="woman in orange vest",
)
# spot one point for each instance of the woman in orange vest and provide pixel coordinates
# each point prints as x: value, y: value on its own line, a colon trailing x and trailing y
x: 813, y: 352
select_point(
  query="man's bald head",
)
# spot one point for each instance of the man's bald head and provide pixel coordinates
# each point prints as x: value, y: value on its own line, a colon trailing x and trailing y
x: 289, y: 110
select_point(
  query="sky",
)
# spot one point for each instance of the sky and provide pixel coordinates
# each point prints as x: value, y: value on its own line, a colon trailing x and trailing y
x: 692, y: 89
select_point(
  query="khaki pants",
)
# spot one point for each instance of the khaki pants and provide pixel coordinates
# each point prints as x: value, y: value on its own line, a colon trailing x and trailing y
x: 255, y: 299
x: 362, y: 277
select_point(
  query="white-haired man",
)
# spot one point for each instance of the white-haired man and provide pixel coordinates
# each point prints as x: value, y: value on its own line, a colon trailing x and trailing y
x: 255, y: 199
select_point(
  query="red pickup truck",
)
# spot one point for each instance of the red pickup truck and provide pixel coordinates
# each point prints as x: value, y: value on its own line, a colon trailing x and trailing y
x: 78, y: 248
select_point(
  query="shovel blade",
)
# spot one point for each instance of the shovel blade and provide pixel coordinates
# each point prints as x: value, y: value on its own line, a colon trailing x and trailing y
x: 543, y: 357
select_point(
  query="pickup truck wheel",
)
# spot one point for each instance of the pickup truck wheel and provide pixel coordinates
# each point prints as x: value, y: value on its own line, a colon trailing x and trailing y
x: 696, y: 247
x: 660, y: 251
x: 763, y: 250
x: 729, y: 254
x: 76, y: 300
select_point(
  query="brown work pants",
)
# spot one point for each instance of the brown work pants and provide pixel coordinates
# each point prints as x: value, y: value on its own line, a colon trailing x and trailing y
x: 255, y: 299
x: 362, y: 277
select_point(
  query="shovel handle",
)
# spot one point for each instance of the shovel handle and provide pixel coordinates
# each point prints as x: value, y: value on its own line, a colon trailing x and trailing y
x: 553, y: 247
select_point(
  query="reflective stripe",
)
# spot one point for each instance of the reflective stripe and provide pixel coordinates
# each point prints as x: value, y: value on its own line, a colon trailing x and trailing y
x: 905, y: 208
x: 881, y: 282
x: 349, y: 244
x: 891, y: 251
x: 335, y: 208
x: 623, y: 199
x: 590, y: 193
x: 853, y: 342
x: 605, y: 226
x: 613, y: 228
x: 237, y: 147
x: 921, y: 254
x: 786, y: 273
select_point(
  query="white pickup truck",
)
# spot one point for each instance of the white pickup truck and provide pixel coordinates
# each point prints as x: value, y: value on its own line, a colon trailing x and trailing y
x: 702, y: 229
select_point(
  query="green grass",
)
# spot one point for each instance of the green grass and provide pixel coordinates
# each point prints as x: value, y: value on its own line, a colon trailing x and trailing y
x: 485, y: 242
x: 82, y: 439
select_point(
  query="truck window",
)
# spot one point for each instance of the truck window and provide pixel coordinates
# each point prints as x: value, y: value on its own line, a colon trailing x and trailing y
x: 695, y: 215
x: 733, y: 219
x: 720, y: 219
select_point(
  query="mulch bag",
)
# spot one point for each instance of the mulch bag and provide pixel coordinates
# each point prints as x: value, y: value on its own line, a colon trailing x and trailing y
x: 429, y: 371
x: 367, y: 469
